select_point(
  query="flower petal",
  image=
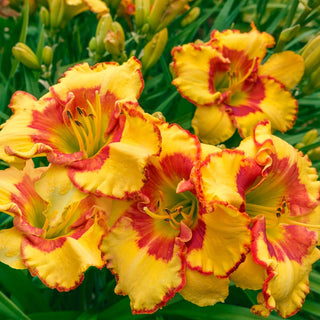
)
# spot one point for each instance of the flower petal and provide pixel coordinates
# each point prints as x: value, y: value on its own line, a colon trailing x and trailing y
x: 249, y: 274
x: 286, y: 67
x: 136, y: 269
x: 224, y: 240
x: 291, y: 251
x: 60, y: 263
x: 278, y: 106
x: 118, y: 170
x: 16, y: 132
x: 223, y: 177
x: 10, y: 245
x: 204, y: 290
x: 252, y: 43
x: 192, y: 64
x: 124, y: 81
x: 212, y: 124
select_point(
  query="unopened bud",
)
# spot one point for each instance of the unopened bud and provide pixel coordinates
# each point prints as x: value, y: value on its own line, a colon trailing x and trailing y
x: 173, y: 8
x: 314, y: 154
x: 311, y: 55
x: 310, y: 137
x: 44, y: 16
x: 153, y: 49
x: 191, y: 16
x: 103, y: 27
x: 47, y: 56
x: 159, y: 115
x: 57, y: 8
x: 26, y: 56
x: 141, y: 12
x: 313, y: 4
x: 313, y: 83
x: 114, y: 40
x: 299, y: 145
x: 93, y: 44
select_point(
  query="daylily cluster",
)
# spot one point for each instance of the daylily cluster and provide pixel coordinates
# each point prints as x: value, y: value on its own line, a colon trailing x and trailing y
x: 232, y: 89
x: 148, y: 200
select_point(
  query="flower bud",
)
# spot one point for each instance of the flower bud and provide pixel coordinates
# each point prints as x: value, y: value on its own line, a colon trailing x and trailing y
x: 310, y: 137
x: 170, y: 9
x: 26, y: 56
x: 103, y: 27
x: 313, y: 83
x: 93, y: 44
x: 47, y: 56
x: 311, y: 55
x: 314, y: 154
x: 44, y: 16
x: 191, y: 16
x: 142, y: 11
x: 114, y: 40
x: 153, y: 49
x: 285, y: 36
x: 57, y: 8
x: 159, y: 115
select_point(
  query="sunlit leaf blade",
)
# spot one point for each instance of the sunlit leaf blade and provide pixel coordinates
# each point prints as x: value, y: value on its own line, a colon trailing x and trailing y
x: 9, y: 310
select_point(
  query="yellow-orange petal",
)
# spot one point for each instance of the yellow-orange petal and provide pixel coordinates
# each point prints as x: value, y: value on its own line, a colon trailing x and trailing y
x: 286, y: 67
x: 287, y: 252
x: 289, y: 170
x: 192, y: 65
x: 216, y: 177
x: 124, y: 81
x: 177, y: 140
x: 226, y: 240
x: 60, y: 263
x: 16, y: 132
x: 10, y: 247
x: 212, y: 124
x: 97, y: 6
x: 119, y: 170
x: 278, y: 106
x: 249, y: 274
x: 252, y: 43
x: 204, y: 290
x: 136, y: 269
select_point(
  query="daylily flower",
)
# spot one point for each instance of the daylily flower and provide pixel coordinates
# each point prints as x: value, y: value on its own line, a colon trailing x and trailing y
x: 56, y: 228
x: 166, y: 238
x: 232, y: 90
x: 277, y: 187
x: 91, y: 123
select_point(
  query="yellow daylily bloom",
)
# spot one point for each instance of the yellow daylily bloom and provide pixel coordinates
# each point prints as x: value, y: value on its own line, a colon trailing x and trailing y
x: 166, y: 236
x: 89, y: 122
x: 231, y: 88
x: 277, y: 187
x: 56, y: 228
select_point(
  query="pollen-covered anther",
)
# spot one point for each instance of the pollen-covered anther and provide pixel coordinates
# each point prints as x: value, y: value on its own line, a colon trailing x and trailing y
x: 86, y: 126
x: 182, y: 211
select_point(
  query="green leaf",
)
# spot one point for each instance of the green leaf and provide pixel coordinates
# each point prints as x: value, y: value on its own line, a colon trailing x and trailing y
x: 311, y: 307
x: 21, y: 287
x: 55, y: 315
x: 9, y: 310
x: 314, y: 279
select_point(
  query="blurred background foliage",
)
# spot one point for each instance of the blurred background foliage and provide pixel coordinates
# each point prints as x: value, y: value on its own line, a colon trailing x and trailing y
x: 51, y: 41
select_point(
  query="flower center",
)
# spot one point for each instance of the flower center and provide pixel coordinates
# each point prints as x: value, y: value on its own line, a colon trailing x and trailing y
x: 184, y: 209
x: 86, y: 126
